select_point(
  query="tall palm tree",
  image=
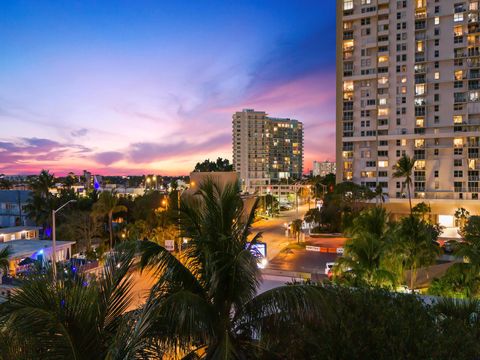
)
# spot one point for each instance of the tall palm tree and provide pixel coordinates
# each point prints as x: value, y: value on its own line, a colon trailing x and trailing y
x: 404, y: 169
x: 366, y: 249
x: 107, y: 205
x: 297, y: 228
x: 205, y: 302
x: 415, y: 243
x: 379, y: 195
x: 42, y: 184
x: 77, y: 318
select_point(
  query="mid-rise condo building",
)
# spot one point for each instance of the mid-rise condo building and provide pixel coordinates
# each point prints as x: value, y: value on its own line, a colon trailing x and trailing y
x: 266, y: 149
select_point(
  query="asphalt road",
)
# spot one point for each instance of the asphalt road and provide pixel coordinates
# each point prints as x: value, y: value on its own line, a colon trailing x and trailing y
x: 273, y: 230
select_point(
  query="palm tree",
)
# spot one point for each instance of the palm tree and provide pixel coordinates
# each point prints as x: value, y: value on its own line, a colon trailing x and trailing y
x: 379, y: 195
x: 366, y: 249
x: 78, y: 318
x: 403, y: 169
x: 107, y: 205
x: 42, y: 184
x: 205, y: 301
x: 415, y: 243
x: 297, y: 228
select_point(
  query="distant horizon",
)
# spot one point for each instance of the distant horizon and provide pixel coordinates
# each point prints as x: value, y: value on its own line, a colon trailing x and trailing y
x: 151, y: 88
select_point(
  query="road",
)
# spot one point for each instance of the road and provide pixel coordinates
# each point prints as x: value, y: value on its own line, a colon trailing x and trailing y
x: 273, y: 230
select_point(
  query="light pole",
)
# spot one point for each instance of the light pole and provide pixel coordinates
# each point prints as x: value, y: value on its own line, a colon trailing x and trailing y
x: 54, y: 240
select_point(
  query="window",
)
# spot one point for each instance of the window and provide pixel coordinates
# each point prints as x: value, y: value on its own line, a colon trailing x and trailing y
x: 435, y: 173
x: 457, y: 173
x: 457, y: 162
x: 458, y: 17
x: 458, y: 119
x: 419, y: 89
x: 347, y: 4
x: 437, y: 20
x: 437, y: 75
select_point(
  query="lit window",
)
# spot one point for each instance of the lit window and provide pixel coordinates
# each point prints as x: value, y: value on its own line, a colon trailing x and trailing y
x: 403, y: 142
x: 420, y: 4
x: 419, y: 122
x: 458, y: 30
x: 348, y: 86
x: 419, y: 89
x: 403, y: 80
x: 382, y: 112
x: 383, y: 164
x: 347, y: 4
x: 419, y: 46
x: 458, y: 17
x: 474, y: 96
x: 383, y: 80
x: 437, y: 75
x: 437, y: 20
x: 457, y: 119
x: 382, y: 58
x: 348, y: 45
x: 458, y: 142
x: 419, y: 142
x: 458, y: 75
x: 420, y: 164
x: 382, y: 101
x: 474, y: 6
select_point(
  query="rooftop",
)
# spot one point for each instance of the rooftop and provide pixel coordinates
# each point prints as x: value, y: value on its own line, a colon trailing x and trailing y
x: 16, y: 229
x: 26, y: 248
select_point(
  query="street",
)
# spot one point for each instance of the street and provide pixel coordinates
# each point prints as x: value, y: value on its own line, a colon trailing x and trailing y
x: 273, y: 230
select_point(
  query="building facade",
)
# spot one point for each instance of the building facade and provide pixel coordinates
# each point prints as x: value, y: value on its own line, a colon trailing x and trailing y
x: 323, y: 168
x: 408, y: 82
x: 266, y: 149
x: 12, y: 203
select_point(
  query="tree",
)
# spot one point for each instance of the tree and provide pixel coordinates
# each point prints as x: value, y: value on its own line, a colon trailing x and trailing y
x: 404, y: 169
x: 82, y: 227
x: 461, y: 217
x: 379, y: 194
x: 107, y: 205
x: 206, y: 301
x: 5, y: 184
x: 366, y: 249
x: 297, y: 228
x: 78, y: 318
x: 415, y: 243
x: 219, y: 165
x: 5, y: 259
x: 42, y: 184
x: 422, y: 209
x: 312, y: 216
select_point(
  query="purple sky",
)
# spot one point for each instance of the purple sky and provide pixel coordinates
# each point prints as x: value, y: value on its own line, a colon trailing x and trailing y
x: 133, y: 87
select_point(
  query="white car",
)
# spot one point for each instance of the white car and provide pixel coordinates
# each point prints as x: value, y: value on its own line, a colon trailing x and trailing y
x: 328, y: 267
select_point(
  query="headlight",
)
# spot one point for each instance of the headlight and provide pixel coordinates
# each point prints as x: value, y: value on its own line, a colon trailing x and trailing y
x: 262, y: 264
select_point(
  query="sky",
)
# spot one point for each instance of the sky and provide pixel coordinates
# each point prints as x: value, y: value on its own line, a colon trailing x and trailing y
x: 134, y: 87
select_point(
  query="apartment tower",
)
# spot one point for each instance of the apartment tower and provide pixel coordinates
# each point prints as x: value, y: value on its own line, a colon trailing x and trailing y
x: 408, y: 82
x: 265, y: 149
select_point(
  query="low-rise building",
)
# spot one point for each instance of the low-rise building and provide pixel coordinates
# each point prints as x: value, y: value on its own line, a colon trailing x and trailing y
x: 19, y: 233
x: 38, y: 250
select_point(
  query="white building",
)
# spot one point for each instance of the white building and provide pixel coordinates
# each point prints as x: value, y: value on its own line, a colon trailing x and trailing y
x: 408, y: 82
x: 266, y: 149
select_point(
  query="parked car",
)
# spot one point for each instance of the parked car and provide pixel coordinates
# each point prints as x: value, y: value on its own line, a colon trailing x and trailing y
x: 449, y: 246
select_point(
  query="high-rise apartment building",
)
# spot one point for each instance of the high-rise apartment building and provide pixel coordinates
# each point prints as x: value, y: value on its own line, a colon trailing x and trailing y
x: 408, y: 82
x: 323, y: 168
x: 266, y: 149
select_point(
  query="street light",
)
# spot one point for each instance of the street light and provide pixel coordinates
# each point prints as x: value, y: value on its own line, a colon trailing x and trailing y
x: 54, y: 240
